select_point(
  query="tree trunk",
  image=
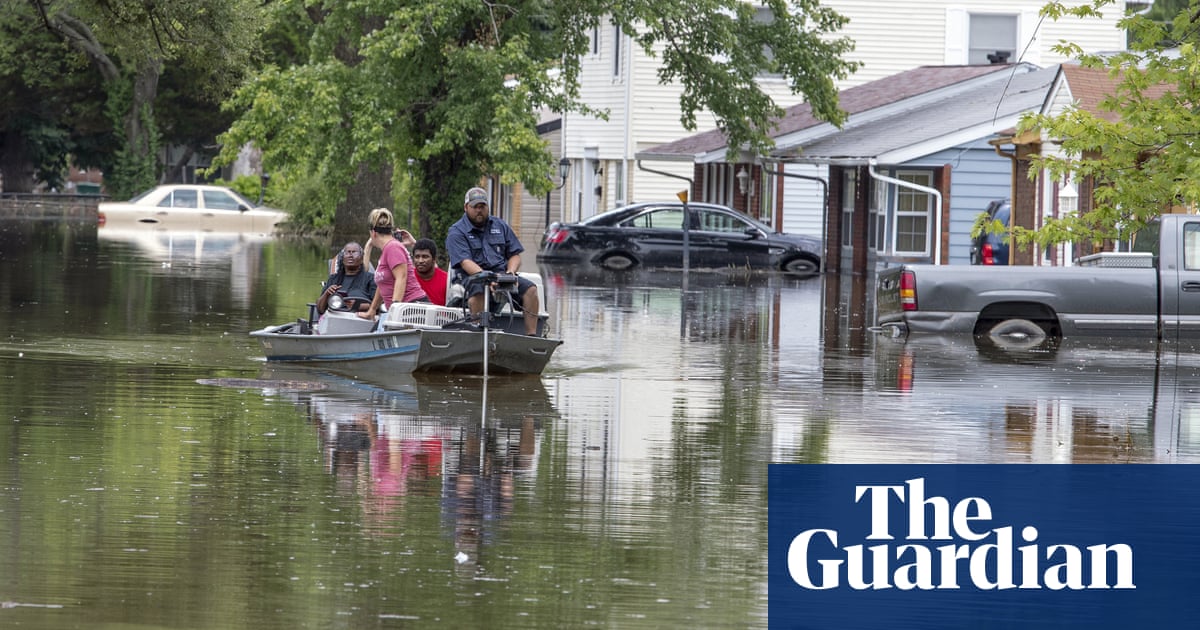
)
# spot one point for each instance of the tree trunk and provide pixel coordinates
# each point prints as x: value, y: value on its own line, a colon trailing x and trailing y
x: 371, y: 188
x: 16, y: 169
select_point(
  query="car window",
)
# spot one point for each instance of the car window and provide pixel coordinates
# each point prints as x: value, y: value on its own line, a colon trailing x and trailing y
x: 720, y: 222
x: 219, y: 200
x: 179, y: 199
x: 662, y: 219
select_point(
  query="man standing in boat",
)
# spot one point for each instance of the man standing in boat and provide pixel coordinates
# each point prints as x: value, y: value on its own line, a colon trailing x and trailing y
x: 480, y: 242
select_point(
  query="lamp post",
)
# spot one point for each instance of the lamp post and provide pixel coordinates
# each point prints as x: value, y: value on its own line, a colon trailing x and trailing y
x: 410, y: 194
x: 564, y: 169
x: 263, y: 180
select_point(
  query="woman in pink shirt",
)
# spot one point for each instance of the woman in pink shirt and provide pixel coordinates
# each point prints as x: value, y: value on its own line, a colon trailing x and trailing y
x: 395, y: 275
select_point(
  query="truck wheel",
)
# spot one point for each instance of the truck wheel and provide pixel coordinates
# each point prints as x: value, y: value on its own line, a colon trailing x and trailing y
x: 1016, y: 333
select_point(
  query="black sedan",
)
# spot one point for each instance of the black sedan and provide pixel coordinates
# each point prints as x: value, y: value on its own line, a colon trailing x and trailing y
x: 650, y: 235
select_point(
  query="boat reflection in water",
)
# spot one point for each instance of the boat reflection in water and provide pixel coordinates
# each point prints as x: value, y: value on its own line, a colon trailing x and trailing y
x: 468, y: 443
x: 1078, y: 400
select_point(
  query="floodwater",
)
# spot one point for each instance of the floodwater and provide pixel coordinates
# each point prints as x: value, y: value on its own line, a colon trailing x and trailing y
x: 156, y: 473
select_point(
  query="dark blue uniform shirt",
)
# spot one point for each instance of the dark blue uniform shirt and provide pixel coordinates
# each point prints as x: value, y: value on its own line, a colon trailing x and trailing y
x: 490, y: 246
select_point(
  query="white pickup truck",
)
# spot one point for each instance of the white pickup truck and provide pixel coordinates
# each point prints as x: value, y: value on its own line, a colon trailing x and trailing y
x: 1153, y: 291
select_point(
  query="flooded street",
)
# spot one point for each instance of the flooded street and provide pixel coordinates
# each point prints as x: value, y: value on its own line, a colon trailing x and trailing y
x: 157, y: 473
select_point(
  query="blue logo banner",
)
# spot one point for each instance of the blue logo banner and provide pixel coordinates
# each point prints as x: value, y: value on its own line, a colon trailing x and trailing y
x: 984, y: 546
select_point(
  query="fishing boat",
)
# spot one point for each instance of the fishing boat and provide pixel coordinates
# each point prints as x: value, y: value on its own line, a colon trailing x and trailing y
x: 416, y: 337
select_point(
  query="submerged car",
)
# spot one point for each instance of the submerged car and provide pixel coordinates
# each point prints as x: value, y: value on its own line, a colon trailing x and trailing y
x: 650, y: 235
x: 989, y: 248
x: 191, y: 207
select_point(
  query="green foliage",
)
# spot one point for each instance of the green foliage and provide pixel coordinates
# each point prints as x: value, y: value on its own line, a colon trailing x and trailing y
x: 716, y: 49
x: 72, y: 61
x: 1141, y: 155
x: 133, y: 168
x: 455, y: 84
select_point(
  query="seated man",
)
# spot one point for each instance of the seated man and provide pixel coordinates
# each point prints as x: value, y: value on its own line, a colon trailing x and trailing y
x: 356, y: 284
x: 480, y: 242
x: 431, y: 277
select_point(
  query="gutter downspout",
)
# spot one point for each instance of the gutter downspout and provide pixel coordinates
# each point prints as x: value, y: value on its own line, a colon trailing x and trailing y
x: 1012, y: 196
x: 626, y: 176
x: 937, y: 243
x: 824, y: 202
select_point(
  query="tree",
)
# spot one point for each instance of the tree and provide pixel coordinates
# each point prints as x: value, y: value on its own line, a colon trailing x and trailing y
x: 454, y: 85
x: 1142, y: 159
x: 53, y: 105
x: 130, y: 42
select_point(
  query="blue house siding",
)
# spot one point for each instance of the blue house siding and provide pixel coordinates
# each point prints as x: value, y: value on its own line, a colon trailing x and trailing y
x: 978, y: 175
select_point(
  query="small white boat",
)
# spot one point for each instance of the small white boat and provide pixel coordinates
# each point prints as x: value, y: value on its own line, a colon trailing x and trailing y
x: 415, y: 338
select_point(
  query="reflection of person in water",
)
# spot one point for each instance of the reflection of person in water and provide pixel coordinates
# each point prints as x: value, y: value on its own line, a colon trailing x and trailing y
x: 344, y: 442
x: 479, y: 490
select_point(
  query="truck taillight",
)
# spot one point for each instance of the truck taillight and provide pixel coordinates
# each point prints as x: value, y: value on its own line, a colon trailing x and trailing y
x: 989, y: 256
x: 908, y: 291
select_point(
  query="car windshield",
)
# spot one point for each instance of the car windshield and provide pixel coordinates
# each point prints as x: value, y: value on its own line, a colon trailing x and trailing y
x: 142, y: 195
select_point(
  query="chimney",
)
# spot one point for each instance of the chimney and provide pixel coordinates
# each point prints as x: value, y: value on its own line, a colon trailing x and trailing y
x: 1000, y: 56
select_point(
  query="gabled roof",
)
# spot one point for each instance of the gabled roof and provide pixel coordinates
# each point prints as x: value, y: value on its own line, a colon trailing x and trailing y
x: 1087, y: 87
x: 854, y: 101
x: 956, y: 118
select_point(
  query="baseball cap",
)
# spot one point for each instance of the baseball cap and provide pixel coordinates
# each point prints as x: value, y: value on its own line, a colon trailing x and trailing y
x: 476, y: 195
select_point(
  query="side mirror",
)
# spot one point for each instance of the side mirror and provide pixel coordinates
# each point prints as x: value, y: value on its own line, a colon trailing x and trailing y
x: 752, y: 232
x: 243, y: 207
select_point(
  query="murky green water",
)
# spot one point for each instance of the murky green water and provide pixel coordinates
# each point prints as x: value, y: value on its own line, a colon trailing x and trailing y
x: 157, y: 474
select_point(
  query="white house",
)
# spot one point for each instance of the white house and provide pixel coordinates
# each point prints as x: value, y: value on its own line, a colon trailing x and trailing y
x: 890, y: 37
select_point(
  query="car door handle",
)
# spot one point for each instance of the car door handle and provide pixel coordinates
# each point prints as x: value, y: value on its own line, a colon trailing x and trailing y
x: 1190, y: 286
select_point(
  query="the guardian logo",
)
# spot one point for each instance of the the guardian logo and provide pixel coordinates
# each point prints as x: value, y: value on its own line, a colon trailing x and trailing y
x: 949, y: 546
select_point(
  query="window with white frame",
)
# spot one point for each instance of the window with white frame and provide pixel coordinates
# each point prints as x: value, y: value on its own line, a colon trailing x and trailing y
x: 913, y: 210
x: 718, y: 184
x: 991, y: 37
x: 616, y: 64
x: 877, y: 217
x: 849, y: 182
x: 765, y: 15
x: 766, y: 199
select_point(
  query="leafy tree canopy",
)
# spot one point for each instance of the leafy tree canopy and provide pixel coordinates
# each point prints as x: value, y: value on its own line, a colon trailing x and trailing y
x: 1140, y: 149
x: 455, y: 85
x: 124, y: 47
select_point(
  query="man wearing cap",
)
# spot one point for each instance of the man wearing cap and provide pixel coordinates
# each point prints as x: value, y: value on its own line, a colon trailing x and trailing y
x: 480, y: 242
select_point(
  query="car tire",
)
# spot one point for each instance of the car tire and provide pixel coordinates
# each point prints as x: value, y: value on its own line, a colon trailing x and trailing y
x: 800, y: 266
x: 1016, y: 333
x: 617, y: 262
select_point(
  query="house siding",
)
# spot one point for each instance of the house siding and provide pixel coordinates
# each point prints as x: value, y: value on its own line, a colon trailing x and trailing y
x: 978, y: 176
x: 803, y: 200
x: 892, y: 37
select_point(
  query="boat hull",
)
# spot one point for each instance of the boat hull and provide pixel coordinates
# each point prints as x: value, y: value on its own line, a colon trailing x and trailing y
x: 410, y: 350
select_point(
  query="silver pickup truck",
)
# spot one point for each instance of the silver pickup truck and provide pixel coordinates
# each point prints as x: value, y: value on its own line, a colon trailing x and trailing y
x: 1153, y: 291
